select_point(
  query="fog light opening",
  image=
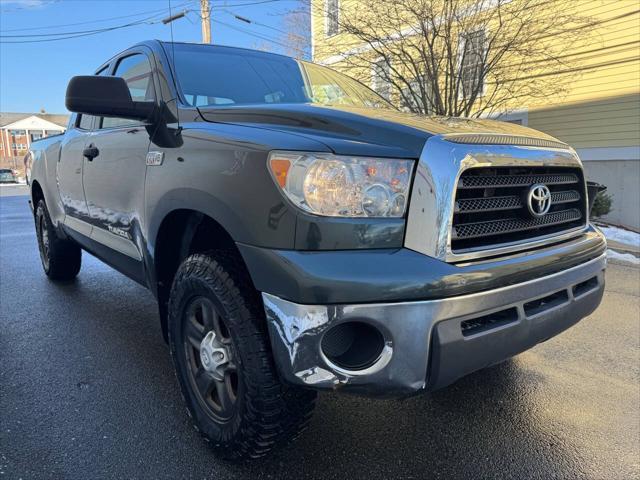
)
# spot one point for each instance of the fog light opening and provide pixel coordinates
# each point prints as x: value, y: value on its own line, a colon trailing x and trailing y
x: 353, y: 345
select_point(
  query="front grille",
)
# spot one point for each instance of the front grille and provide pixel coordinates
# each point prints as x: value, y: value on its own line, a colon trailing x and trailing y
x: 491, y: 205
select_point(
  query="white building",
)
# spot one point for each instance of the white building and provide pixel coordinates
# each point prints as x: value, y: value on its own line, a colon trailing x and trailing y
x: 18, y: 130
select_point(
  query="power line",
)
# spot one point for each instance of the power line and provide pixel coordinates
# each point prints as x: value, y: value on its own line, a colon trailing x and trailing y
x: 259, y: 2
x: 258, y: 35
x: 37, y: 37
x: 248, y: 20
x: 102, y: 20
x: 98, y: 30
x: 88, y: 33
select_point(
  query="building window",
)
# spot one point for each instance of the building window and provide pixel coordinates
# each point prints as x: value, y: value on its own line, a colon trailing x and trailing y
x: 35, y: 136
x: 412, y: 99
x: 48, y: 133
x: 380, y: 78
x: 332, y: 17
x: 472, y: 63
x: 17, y: 133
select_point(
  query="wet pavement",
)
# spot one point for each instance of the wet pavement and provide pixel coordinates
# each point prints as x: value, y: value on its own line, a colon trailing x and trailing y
x: 87, y: 391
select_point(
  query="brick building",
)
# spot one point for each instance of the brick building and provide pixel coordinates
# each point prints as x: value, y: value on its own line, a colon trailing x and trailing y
x: 18, y: 130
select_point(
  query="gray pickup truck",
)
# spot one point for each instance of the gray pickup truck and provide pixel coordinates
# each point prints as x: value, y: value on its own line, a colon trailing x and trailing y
x: 301, y: 234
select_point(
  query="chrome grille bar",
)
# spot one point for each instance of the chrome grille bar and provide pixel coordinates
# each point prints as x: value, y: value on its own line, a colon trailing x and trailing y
x: 491, y: 181
x: 509, y: 225
x: 512, y: 202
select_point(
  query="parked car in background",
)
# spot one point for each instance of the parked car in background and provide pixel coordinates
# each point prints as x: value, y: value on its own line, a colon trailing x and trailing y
x: 8, y: 176
x: 301, y: 234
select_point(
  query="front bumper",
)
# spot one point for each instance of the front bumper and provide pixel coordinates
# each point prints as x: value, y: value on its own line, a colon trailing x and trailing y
x: 430, y: 344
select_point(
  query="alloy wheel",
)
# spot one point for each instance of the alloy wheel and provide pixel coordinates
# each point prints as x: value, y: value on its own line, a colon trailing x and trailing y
x: 211, y: 363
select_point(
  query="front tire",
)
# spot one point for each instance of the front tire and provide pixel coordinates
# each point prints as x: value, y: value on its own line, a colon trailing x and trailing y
x: 61, y: 258
x: 219, y: 345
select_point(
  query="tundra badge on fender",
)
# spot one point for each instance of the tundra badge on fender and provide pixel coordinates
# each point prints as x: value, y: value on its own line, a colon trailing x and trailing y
x: 154, y: 158
x: 119, y: 231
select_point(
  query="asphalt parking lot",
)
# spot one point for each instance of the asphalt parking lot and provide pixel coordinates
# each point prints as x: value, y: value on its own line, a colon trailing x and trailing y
x: 87, y: 391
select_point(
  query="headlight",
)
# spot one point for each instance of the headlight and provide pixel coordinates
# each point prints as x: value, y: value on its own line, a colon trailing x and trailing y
x: 343, y: 186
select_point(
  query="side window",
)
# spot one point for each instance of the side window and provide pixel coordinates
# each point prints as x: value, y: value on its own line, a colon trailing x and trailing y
x: 136, y: 70
x: 85, y: 122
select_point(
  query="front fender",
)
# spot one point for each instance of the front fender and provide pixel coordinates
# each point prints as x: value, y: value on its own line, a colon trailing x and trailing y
x: 221, y: 171
x: 198, y: 201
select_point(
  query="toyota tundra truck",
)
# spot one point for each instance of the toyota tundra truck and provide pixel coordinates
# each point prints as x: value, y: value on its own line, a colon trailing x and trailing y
x: 301, y: 234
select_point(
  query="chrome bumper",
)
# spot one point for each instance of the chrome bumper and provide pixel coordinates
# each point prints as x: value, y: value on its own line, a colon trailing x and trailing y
x: 430, y: 344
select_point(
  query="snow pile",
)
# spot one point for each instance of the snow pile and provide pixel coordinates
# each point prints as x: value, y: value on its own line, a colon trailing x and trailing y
x: 620, y: 235
x: 622, y: 257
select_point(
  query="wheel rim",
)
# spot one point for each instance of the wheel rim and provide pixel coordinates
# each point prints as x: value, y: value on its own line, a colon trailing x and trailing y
x: 43, y: 240
x: 212, y: 371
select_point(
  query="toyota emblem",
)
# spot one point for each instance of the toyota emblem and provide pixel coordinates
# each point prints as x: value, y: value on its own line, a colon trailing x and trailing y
x: 539, y: 200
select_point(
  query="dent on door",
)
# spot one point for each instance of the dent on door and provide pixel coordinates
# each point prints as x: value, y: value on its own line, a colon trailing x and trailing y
x: 114, y: 188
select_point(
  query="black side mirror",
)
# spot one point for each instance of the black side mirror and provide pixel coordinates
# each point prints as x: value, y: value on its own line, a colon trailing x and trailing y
x: 105, y: 97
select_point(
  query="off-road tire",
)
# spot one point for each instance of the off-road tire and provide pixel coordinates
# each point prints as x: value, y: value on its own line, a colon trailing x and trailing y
x: 61, y: 258
x: 266, y: 412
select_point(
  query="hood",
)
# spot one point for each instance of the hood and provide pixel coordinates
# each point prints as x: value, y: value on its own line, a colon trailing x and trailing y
x: 362, y: 131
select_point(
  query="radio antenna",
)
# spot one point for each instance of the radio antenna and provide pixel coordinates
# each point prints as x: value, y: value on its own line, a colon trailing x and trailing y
x: 173, y: 66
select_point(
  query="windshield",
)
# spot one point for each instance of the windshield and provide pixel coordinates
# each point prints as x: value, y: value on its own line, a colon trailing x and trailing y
x: 218, y: 76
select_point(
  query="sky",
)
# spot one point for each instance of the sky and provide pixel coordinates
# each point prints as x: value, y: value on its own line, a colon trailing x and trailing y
x: 34, y: 75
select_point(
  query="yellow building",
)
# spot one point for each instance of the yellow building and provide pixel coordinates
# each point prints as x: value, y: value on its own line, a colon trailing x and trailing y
x: 598, y: 111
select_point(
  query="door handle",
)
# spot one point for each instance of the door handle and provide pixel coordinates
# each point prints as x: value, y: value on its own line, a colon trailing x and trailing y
x: 91, y: 152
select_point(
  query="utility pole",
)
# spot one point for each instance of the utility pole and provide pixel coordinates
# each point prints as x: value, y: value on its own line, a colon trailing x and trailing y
x: 205, y: 13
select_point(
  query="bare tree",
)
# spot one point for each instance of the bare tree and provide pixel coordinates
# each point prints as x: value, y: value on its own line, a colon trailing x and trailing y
x: 297, y: 25
x: 262, y: 45
x: 456, y: 57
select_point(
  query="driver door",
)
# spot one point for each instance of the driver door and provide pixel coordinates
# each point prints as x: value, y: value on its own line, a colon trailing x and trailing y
x: 114, y: 173
x: 70, y: 170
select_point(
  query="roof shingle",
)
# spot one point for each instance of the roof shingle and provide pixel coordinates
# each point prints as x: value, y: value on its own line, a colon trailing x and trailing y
x: 10, y: 117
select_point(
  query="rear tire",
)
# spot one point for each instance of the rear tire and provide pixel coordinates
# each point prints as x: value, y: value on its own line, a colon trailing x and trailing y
x: 232, y: 390
x: 61, y: 258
